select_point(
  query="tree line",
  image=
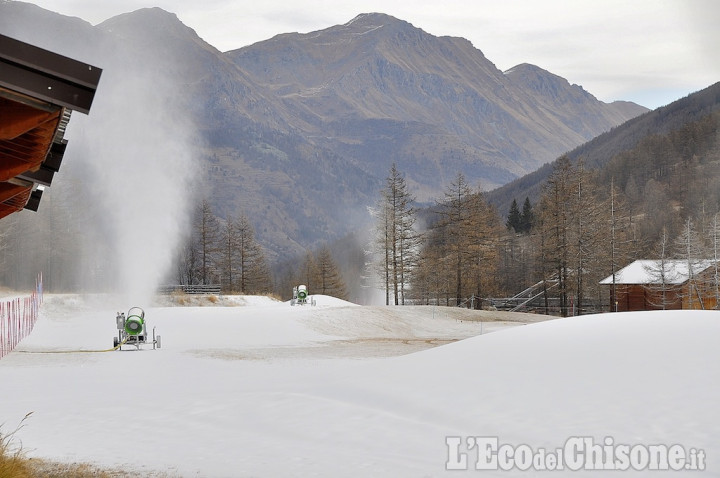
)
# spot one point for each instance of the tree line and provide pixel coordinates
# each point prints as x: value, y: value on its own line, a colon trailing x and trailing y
x: 226, y: 252
x: 580, y: 231
x: 223, y: 252
x: 584, y: 225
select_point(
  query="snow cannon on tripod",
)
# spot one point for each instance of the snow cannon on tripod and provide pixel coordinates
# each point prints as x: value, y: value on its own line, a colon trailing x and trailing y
x: 300, y: 296
x: 132, y: 330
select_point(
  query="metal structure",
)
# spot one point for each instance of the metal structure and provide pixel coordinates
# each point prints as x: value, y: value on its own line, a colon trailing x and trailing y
x: 301, y: 297
x: 193, y: 289
x: 132, y: 330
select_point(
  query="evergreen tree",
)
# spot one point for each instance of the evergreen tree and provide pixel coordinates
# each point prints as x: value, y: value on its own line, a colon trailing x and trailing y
x: 527, y: 217
x: 515, y: 219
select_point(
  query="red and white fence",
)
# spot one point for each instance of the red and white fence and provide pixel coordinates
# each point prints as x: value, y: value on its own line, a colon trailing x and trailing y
x: 18, y: 317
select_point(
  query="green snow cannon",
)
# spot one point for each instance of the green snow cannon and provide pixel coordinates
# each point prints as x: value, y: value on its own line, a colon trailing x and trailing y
x: 135, y: 322
x: 300, y: 296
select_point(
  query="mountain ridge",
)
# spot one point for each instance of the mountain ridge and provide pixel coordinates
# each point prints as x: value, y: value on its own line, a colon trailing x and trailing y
x: 299, y: 131
x: 600, y: 151
x: 406, y: 75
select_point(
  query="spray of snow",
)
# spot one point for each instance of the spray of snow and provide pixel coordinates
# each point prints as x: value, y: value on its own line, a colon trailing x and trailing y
x: 135, y: 155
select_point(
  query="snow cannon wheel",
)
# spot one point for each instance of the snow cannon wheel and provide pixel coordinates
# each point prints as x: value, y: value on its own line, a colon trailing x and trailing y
x: 134, y: 325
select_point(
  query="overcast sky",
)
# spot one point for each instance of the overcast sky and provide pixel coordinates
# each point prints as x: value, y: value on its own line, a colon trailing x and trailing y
x: 651, y: 52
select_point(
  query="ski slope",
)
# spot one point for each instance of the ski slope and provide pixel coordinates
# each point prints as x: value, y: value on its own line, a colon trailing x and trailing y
x: 258, y: 388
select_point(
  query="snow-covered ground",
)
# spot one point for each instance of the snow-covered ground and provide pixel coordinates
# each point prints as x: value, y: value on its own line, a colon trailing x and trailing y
x: 260, y: 388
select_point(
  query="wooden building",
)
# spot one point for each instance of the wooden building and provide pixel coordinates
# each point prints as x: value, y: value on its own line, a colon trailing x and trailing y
x: 38, y: 91
x: 669, y: 284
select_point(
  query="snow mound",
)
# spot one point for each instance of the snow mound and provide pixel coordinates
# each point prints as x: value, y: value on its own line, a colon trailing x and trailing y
x: 640, y: 378
x: 637, y: 377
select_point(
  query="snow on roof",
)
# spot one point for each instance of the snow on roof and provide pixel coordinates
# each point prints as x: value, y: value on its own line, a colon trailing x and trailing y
x: 650, y: 271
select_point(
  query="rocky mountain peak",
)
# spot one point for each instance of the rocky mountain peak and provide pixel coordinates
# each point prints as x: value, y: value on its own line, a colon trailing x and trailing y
x: 289, y: 122
x: 153, y: 26
x: 545, y: 83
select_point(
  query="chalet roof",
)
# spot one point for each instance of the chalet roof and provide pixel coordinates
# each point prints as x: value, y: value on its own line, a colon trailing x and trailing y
x: 38, y: 91
x: 676, y: 271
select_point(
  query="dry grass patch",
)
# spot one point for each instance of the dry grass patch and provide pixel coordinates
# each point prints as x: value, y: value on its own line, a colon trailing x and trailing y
x: 14, y: 463
x: 49, y: 469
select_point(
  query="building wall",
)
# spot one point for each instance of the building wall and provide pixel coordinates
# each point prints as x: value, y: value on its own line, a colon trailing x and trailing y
x: 701, y: 294
x: 635, y: 297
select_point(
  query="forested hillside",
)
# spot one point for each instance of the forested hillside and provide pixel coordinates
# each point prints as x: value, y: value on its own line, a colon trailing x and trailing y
x: 588, y: 216
x: 599, y: 151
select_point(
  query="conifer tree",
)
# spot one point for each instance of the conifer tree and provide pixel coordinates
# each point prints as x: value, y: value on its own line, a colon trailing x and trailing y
x: 329, y: 280
x: 661, y: 273
x: 527, y: 217
x: 207, y: 231
x: 556, y: 205
x: 715, y: 256
x: 308, y: 272
x: 514, y: 220
x: 243, y: 263
x: 455, y: 221
x: 689, y: 248
x: 396, y: 241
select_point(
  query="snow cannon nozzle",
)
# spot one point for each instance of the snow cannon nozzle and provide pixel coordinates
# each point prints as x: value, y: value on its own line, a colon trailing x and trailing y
x: 135, y: 322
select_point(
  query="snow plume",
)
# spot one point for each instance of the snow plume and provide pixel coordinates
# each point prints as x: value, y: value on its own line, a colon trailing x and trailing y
x: 134, y: 159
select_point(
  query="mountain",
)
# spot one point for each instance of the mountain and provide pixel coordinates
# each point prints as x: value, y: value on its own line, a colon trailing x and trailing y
x: 634, y: 138
x: 569, y: 104
x: 300, y: 130
x: 379, y: 90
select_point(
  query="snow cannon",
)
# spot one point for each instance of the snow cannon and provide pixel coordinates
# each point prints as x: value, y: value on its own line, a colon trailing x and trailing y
x: 135, y: 323
x: 132, y: 330
x: 300, y: 296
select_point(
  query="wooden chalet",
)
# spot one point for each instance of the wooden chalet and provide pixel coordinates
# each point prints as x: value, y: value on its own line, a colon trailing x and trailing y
x: 669, y: 284
x: 38, y: 91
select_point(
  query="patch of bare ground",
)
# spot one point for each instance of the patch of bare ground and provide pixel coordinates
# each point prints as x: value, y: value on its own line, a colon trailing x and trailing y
x: 40, y: 468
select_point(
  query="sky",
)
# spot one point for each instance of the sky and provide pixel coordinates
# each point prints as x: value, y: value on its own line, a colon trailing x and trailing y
x: 651, y: 52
